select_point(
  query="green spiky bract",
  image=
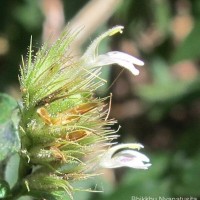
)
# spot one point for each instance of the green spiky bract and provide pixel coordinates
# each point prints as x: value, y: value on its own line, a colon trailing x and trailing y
x: 63, y: 126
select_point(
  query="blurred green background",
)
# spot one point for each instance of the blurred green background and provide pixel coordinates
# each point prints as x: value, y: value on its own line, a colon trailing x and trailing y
x: 160, y: 108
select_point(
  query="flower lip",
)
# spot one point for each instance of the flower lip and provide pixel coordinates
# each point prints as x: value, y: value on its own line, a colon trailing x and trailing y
x: 116, y: 57
x: 92, y: 59
x: 131, y: 153
x: 133, y: 159
x: 126, y: 57
x: 123, y: 155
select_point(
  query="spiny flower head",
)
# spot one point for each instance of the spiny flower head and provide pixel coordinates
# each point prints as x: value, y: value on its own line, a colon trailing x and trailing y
x: 64, y: 128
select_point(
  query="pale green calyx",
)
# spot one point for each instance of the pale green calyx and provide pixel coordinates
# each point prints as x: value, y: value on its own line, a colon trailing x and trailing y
x: 123, y: 155
x: 125, y: 60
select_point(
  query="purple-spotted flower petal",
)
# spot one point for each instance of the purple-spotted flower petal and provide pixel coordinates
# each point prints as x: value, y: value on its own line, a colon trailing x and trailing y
x: 124, y: 155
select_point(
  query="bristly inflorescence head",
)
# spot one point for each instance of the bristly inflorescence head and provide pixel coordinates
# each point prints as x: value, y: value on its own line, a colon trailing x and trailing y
x: 62, y: 122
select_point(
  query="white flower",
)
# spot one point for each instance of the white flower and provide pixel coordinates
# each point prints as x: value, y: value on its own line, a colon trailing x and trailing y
x: 123, y: 155
x: 127, y: 61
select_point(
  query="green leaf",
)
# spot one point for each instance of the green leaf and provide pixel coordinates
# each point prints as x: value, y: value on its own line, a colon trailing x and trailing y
x: 189, y: 48
x: 11, y: 171
x: 4, y: 189
x: 9, y: 140
x: 7, y: 104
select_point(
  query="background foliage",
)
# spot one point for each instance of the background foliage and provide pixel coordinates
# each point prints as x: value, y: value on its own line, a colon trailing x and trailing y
x: 160, y: 108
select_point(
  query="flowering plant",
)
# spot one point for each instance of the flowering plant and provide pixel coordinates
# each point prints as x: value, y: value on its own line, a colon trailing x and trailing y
x: 64, y: 129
